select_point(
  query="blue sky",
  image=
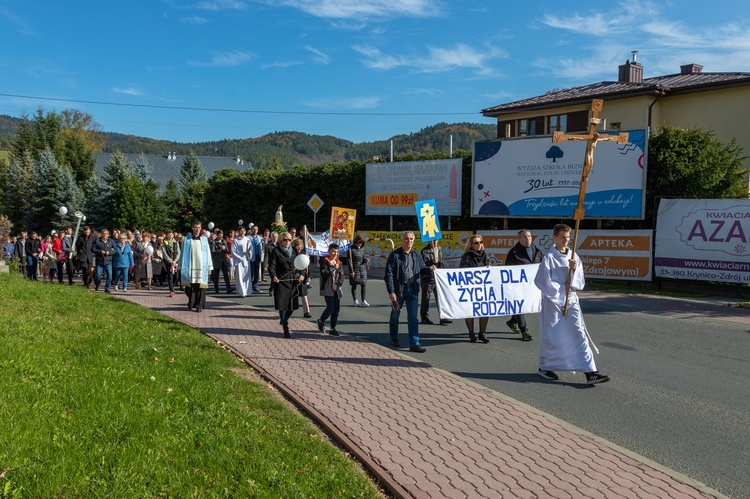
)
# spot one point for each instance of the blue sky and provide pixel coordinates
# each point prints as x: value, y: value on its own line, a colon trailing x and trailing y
x: 194, y: 71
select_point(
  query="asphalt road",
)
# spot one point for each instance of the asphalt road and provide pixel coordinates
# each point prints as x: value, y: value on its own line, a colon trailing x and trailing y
x: 679, y: 392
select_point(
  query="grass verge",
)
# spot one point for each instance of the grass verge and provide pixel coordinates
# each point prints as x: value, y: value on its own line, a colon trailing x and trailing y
x: 100, y: 397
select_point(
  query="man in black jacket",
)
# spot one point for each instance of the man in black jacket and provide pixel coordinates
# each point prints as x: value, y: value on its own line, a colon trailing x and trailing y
x: 523, y: 253
x: 85, y: 256
x: 33, y: 250
x: 432, y: 255
x: 21, y: 252
x: 220, y: 257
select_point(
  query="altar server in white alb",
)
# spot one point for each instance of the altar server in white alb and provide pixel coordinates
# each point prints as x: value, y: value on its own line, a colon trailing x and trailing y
x: 564, y: 345
x: 242, y: 257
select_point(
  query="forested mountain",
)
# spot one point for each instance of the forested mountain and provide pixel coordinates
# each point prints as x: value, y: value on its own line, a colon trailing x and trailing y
x: 287, y: 149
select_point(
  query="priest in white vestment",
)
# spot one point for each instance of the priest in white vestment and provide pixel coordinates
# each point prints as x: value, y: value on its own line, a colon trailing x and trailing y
x: 242, y: 257
x: 564, y: 343
x: 196, y: 266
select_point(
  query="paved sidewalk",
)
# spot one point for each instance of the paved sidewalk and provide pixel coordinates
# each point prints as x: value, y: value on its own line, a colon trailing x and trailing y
x: 424, y: 432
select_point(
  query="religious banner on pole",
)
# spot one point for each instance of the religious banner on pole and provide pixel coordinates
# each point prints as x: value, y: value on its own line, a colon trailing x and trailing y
x: 429, y: 224
x: 487, y: 291
x: 317, y: 244
x: 342, y: 223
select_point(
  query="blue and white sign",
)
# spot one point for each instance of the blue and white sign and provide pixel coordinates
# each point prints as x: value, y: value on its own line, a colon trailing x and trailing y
x: 488, y: 291
x: 532, y: 177
x: 429, y: 224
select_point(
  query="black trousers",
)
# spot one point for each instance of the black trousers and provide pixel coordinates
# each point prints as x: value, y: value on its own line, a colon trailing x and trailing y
x: 224, y: 267
x: 428, y: 290
x: 68, y: 265
x: 196, y: 296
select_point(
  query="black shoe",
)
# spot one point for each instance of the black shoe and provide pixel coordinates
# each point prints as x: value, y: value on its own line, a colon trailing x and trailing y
x: 321, y: 326
x: 426, y: 320
x: 395, y: 343
x: 417, y: 349
x: 333, y: 332
x: 286, y: 331
x: 444, y: 322
x: 595, y: 377
x: 96, y: 288
x: 472, y: 337
x: 549, y: 374
x: 308, y: 315
x: 198, y: 309
x: 483, y: 338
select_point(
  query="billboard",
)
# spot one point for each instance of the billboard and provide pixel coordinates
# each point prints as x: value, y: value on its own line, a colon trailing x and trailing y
x: 393, y: 188
x: 377, y: 248
x: 532, y: 177
x: 703, y: 240
x: 605, y: 254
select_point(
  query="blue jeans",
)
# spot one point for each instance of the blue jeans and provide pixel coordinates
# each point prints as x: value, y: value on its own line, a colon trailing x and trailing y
x: 121, y: 271
x: 333, y: 305
x: 32, y: 263
x: 409, y: 297
x: 106, y: 268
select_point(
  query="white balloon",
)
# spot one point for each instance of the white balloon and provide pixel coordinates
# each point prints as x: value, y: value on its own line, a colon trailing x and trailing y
x: 149, y: 250
x: 63, y: 211
x: 240, y: 222
x: 301, y: 262
x: 210, y: 226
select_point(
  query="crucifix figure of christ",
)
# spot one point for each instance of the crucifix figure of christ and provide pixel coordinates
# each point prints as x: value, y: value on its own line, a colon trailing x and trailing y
x: 592, y: 138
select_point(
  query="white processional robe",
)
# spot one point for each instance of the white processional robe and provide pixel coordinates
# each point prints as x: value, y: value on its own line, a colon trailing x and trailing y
x: 242, y: 255
x: 563, y: 344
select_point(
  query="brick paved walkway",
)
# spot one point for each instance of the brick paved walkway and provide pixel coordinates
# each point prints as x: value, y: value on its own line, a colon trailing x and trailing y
x: 425, y: 432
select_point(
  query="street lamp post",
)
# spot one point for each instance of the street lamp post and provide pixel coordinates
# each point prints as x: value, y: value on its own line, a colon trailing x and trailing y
x: 81, y: 217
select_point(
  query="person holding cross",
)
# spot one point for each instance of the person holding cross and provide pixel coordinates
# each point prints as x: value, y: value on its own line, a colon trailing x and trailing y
x: 564, y: 343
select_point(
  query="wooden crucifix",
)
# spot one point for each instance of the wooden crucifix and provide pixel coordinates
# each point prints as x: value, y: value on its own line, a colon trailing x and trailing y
x: 592, y: 138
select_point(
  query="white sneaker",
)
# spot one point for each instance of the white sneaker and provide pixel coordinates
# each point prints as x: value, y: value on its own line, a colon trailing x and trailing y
x: 364, y: 304
x: 356, y: 303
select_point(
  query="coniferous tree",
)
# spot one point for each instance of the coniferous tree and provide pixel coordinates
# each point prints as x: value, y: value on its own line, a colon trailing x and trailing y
x: 98, y: 202
x: 192, y: 172
x: 142, y: 168
x: 17, y: 200
x: 46, y: 191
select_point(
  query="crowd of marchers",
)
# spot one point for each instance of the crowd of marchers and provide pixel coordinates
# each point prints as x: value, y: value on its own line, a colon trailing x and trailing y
x: 244, y: 257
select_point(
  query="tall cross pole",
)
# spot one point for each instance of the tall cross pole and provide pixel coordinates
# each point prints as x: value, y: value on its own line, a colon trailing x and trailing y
x: 592, y: 138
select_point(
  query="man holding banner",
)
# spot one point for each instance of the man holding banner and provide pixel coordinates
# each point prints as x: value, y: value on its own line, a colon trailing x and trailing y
x: 564, y: 342
x: 523, y: 253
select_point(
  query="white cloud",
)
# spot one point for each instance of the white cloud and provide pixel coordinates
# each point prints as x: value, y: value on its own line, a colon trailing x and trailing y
x: 663, y: 42
x: 438, y: 59
x: 21, y: 25
x: 361, y: 9
x: 353, y: 103
x: 195, y: 20
x: 320, y: 57
x: 225, y: 59
x: 129, y: 91
x: 221, y: 5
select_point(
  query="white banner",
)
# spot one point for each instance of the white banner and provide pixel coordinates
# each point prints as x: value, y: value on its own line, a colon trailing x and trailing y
x: 317, y: 244
x: 488, y: 291
x: 703, y: 240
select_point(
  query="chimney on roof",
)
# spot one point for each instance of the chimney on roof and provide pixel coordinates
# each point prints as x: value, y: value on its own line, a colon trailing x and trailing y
x: 689, y: 69
x: 630, y: 72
